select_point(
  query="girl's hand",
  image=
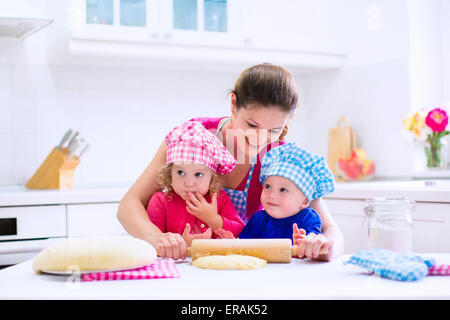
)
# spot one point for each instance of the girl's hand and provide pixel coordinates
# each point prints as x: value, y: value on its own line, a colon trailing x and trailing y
x: 224, y: 234
x: 171, y: 245
x: 207, y: 212
x: 311, y: 245
x: 188, y: 237
x: 297, y: 234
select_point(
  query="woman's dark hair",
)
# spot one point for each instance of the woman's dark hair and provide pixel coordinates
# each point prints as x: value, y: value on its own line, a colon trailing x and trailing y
x: 267, y: 85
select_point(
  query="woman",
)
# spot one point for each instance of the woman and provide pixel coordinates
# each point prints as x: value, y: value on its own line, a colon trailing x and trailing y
x: 262, y: 102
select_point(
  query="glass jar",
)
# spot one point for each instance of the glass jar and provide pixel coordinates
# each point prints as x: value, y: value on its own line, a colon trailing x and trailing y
x: 436, y: 151
x: 390, y: 223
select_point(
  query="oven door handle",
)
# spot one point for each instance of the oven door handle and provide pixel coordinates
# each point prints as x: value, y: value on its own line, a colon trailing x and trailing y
x: 24, y: 246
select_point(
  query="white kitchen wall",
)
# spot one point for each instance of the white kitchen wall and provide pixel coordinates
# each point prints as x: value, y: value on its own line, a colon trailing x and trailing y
x: 371, y: 89
x: 124, y: 112
x: 394, y: 64
x: 445, y: 49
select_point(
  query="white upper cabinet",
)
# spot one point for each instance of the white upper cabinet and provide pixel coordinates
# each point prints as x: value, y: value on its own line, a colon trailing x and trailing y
x: 227, y: 32
x: 284, y: 24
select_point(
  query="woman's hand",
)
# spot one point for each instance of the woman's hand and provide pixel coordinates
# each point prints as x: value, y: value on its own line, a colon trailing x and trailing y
x: 315, y: 246
x: 171, y: 245
x: 224, y: 234
x: 203, y: 210
x: 188, y: 237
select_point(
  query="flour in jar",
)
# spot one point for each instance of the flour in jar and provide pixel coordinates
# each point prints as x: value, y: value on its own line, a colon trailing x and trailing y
x: 395, y: 239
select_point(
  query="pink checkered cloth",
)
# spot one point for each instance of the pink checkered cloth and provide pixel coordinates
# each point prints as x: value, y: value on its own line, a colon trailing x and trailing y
x: 161, y: 268
x: 192, y: 143
x: 439, y: 270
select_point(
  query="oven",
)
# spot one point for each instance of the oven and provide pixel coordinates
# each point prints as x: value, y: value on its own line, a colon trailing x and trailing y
x: 26, y: 230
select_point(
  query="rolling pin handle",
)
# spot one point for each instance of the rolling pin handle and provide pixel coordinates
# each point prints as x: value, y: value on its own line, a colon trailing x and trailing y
x: 188, y: 252
x: 294, y: 251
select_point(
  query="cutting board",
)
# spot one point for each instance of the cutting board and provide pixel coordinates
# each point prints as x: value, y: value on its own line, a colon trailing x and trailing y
x: 341, y: 142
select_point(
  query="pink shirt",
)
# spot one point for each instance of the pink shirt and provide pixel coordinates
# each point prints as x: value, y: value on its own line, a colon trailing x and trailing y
x: 170, y: 214
x: 255, y: 188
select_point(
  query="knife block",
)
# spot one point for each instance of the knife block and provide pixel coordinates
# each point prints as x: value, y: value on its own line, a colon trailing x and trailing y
x: 56, y: 172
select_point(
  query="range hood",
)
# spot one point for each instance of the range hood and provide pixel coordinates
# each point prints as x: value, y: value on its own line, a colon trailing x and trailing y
x: 19, y: 19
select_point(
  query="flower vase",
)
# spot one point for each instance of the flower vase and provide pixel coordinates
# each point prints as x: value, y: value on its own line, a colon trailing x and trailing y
x: 436, y: 152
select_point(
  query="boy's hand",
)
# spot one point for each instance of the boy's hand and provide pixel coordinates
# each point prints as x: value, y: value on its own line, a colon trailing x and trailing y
x: 188, y: 237
x: 207, y: 212
x: 297, y: 234
x: 224, y: 234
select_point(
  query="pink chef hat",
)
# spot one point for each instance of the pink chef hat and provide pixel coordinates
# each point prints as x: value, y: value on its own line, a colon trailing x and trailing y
x: 191, y: 142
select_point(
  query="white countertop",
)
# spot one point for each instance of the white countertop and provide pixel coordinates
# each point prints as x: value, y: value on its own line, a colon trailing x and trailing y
x: 434, y: 190
x: 417, y: 190
x: 300, y: 279
x: 19, y: 195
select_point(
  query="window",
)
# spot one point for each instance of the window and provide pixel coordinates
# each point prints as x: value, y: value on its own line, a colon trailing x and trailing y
x: 185, y: 14
x: 215, y: 15
x: 211, y: 15
x: 131, y: 12
x: 100, y: 11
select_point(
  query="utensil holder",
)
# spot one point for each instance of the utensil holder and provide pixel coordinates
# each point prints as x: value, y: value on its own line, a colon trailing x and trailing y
x: 56, y: 172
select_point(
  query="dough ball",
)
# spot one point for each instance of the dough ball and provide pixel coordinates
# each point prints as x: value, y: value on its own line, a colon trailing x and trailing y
x: 95, y: 253
x: 232, y: 261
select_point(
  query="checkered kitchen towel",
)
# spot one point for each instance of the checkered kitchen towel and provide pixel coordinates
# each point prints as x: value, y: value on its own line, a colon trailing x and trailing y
x: 439, y: 270
x: 161, y: 268
x: 393, y: 265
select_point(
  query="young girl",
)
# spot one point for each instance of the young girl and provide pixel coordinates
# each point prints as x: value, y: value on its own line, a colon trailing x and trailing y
x: 291, y: 179
x: 191, y: 200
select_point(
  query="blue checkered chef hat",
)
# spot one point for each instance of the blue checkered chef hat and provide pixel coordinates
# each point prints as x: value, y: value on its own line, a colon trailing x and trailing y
x: 308, y: 171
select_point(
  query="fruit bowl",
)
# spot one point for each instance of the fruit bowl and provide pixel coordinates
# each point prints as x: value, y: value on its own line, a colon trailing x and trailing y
x: 356, y: 168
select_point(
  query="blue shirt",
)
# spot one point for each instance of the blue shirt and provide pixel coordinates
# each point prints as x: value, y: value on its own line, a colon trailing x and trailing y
x: 262, y: 226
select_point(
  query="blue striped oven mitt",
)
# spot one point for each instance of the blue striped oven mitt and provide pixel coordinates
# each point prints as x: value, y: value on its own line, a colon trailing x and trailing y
x: 392, y: 265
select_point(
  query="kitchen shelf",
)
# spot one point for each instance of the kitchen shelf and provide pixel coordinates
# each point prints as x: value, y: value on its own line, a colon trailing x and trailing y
x: 170, y: 55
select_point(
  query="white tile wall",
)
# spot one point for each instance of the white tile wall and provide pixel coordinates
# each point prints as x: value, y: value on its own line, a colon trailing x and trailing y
x: 123, y: 112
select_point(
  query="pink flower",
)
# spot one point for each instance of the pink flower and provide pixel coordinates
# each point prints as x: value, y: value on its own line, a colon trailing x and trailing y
x: 437, y: 120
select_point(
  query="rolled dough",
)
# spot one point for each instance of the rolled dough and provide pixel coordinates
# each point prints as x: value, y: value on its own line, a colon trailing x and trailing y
x: 232, y: 261
x: 95, y: 253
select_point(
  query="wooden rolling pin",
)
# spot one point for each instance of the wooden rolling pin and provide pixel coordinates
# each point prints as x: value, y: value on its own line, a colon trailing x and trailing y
x: 271, y: 250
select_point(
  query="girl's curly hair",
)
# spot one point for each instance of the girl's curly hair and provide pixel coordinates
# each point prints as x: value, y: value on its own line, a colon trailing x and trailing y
x: 165, y: 180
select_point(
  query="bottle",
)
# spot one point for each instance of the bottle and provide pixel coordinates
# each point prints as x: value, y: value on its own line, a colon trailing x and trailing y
x: 390, y: 223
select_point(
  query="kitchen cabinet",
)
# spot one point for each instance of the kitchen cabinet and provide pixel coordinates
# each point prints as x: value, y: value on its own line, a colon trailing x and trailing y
x: 189, y: 22
x: 93, y: 219
x: 213, y: 33
x: 431, y: 225
x: 30, y: 220
x: 285, y: 24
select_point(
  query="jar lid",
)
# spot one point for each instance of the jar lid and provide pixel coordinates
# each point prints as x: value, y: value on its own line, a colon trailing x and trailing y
x: 380, y: 204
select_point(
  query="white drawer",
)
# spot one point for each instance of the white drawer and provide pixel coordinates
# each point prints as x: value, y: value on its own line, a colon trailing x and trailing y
x: 32, y: 222
x: 93, y: 219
